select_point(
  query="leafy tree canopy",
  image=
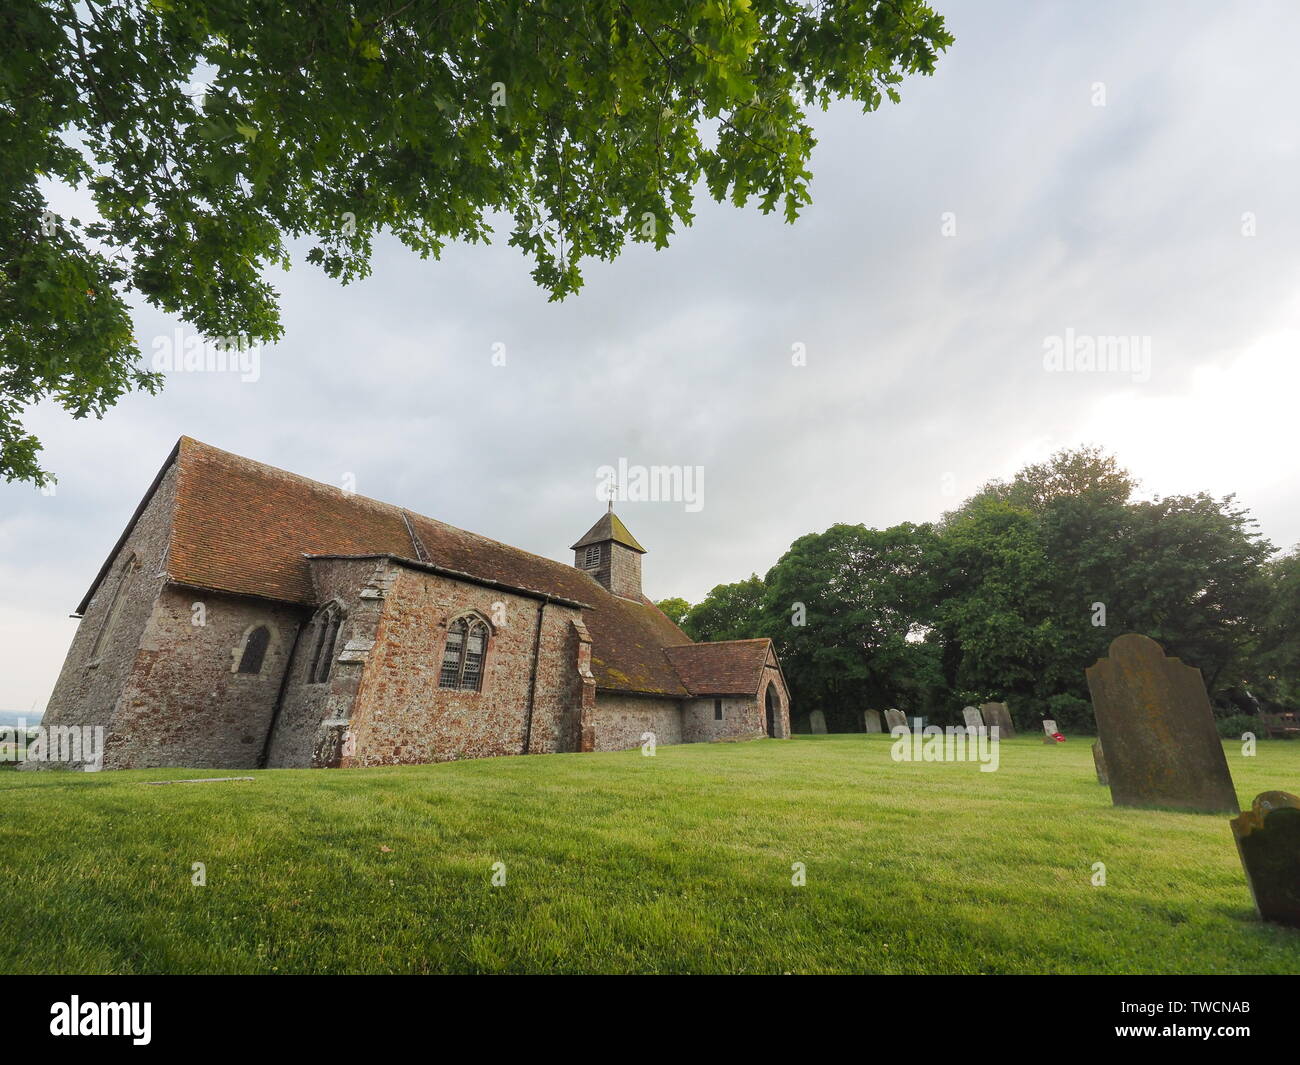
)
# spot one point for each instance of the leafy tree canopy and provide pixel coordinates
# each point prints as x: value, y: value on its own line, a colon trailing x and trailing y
x: 844, y: 608
x: 208, y: 132
x: 1017, y: 592
x: 729, y: 612
x: 1274, y: 668
x: 676, y: 609
x: 1085, y: 472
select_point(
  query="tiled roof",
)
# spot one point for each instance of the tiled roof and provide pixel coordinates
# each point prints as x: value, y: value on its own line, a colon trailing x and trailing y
x: 728, y: 667
x: 245, y: 528
x: 610, y: 527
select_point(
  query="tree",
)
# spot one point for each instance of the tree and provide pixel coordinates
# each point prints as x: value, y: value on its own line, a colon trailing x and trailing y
x: 208, y: 132
x: 1196, y: 582
x: 1068, y: 474
x: 1030, y: 602
x: 1274, y: 667
x: 676, y: 609
x: 1077, y: 504
x: 843, y: 609
x: 729, y: 612
x: 993, y: 613
x: 1016, y: 592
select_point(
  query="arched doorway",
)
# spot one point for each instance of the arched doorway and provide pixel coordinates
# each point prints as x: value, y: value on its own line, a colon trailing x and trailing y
x: 773, y: 709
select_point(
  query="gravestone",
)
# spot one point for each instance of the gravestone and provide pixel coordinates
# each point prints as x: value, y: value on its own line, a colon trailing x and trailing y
x: 817, y: 723
x: 870, y: 720
x: 972, y: 717
x: 1099, y: 762
x: 895, y: 718
x: 998, y: 714
x: 1049, y: 730
x: 1155, y: 723
x: 1268, y: 842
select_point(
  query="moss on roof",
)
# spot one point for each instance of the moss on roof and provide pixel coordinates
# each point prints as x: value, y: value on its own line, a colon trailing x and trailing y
x: 610, y: 527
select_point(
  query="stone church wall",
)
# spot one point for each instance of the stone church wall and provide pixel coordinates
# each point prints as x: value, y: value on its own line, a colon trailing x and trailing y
x: 741, y: 720
x: 311, y: 712
x: 558, y: 703
x: 621, y: 720
x: 91, y: 682
x: 184, y: 703
x: 402, y: 715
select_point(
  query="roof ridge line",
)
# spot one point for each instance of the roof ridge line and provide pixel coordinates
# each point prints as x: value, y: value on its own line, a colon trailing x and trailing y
x: 715, y: 643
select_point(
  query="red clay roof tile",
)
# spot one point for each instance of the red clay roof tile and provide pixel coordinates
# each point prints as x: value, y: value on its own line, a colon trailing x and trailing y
x: 727, y: 667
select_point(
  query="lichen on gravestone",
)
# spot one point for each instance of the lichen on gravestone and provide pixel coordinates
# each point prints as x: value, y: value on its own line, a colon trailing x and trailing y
x: 1268, y: 843
x: 1158, y: 732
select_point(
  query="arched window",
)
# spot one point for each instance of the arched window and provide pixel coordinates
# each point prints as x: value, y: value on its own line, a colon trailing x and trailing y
x: 126, y: 577
x: 254, y: 654
x: 462, y: 657
x: 328, y: 622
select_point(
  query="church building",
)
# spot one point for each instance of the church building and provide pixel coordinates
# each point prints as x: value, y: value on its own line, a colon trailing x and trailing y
x: 248, y: 617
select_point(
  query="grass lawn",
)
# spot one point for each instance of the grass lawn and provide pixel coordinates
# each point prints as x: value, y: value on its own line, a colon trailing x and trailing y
x: 622, y: 863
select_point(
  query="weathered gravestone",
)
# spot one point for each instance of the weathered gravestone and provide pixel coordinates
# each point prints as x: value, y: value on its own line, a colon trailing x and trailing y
x: 998, y: 714
x: 972, y: 718
x: 1268, y: 841
x: 1157, y: 728
x: 817, y: 722
x: 870, y: 720
x: 1049, y: 730
x: 1099, y: 763
x: 894, y: 719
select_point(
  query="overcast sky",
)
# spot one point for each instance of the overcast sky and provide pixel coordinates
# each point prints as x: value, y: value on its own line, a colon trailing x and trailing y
x: 924, y: 372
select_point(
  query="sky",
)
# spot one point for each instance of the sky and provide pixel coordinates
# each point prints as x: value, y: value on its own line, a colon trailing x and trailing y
x: 1102, y: 176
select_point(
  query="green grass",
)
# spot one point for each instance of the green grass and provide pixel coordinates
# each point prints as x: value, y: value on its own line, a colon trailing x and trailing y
x: 618, y: 862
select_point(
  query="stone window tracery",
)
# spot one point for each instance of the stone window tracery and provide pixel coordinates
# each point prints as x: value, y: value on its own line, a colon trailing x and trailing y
x: 463, y: 654
x: 328, y: 622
